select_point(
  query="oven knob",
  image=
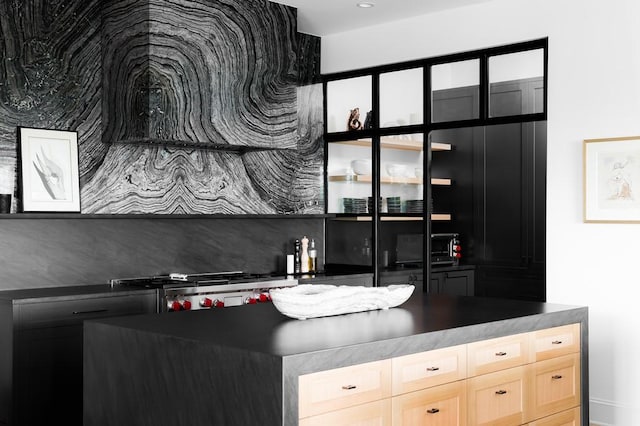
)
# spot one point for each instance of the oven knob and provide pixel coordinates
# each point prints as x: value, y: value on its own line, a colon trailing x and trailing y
x: 457, y: 255
x: 206, y: 302
x: 218, y: 303
x: 251, y: 301
x: 186, y: 305
x: 174, y: 306
x: 264, y: 297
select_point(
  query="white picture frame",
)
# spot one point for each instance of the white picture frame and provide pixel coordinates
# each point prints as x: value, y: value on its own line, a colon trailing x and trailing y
x: 612, y: 180
x: 49, y: 178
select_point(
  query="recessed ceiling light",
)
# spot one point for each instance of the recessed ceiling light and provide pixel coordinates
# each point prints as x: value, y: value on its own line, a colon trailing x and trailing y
x: 365, y: 4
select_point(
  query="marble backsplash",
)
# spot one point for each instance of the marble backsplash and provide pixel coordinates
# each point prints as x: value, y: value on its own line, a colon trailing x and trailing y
x: 152, y: 87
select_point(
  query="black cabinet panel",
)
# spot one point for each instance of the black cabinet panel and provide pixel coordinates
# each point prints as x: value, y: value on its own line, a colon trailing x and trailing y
x: 41, y: 375
x: 455, y: 283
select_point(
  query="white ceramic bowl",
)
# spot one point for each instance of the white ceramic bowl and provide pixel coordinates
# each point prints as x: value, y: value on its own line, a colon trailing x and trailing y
x: 396, y: 169
x: 361, y: 167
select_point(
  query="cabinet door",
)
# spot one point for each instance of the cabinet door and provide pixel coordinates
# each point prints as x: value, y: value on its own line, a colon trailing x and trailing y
x: 377, y: 413
x: 457, y: 283
x: 48, y: 354
x: 48, y: 376
x: 565, y: 418
x: 497, y: 354
x: 443, y: 405
x: 556, y: 341
x: 497, y: 399
x: 555, y: 385
x: 426, y: 369
x: 339, y: 388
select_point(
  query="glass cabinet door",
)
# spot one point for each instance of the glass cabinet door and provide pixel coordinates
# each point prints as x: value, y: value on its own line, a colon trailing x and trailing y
x: 455, y: 91
x: 350, y: 176
x: 401, y: 201
x: 401, y: 98
x: 349, y: 103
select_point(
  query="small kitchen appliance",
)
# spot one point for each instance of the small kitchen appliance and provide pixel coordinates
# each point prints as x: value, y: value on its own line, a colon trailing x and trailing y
x: 445, y: 249
x: 184, y: 292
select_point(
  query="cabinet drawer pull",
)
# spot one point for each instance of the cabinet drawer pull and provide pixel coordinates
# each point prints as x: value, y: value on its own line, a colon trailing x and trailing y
x: 501, y: 392
x: 97, y: 311
x: 433, y: 368
x: 501, y: 353
x: 433, y: 410
x: 556, y: 342
x: 349, y: 387
x: 556, y: 377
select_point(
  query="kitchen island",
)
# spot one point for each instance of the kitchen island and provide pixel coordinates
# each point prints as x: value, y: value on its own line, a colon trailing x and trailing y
x: 241, y: 365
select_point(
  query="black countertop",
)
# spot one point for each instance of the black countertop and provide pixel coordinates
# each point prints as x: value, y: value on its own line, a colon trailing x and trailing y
x: 77, y: 292
x: 262, y: 328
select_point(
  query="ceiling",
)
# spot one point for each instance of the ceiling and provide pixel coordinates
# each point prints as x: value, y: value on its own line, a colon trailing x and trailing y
x: 325, y: 17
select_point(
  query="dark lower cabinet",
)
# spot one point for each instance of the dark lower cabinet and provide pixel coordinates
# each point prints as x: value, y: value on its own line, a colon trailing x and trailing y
x: 412, y: 277
x: 41, y: 372
x: 455, y: 283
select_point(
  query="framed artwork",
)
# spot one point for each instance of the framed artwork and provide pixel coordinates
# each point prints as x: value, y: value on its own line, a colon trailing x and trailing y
x: 612, y: 180
x: 49, y: 170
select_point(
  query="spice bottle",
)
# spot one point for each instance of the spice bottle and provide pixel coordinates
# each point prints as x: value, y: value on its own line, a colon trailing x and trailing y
x: 304, y: 255
x: 313, y: 257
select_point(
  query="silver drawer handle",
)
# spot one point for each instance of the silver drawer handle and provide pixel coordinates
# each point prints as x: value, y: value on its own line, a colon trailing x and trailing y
x: 501, y: 353
x: 433, y: 410
x: 349, y: 387
x: 556, y: 377
x: 433, y: 368
x: 501, y: 392
x: 97, y: 311
x: 556, y: 342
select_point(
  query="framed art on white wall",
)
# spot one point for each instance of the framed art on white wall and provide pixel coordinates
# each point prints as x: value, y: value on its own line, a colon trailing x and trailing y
x: 49, y: 170
x: 612, y: 180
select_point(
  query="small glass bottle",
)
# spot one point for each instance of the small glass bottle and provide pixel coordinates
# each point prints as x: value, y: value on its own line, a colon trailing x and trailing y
x: 313, y: 257
x: 296, y: 257
x: 304, y: 255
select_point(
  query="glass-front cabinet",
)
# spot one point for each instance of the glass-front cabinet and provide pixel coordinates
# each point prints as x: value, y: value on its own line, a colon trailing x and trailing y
x: 406, y: 158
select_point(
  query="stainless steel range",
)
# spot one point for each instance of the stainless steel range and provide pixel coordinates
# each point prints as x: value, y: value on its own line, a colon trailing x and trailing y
x: 184, y: 292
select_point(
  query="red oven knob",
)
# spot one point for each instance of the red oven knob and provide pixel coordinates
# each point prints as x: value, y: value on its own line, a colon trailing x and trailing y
x: 206, y: 302
x: 457, y: 248
x: 186, y: 305
x: 457, y: 255
x: 174, y: 306
x: 251, y: 301
x: 264, y: 297
x: 218, y: 303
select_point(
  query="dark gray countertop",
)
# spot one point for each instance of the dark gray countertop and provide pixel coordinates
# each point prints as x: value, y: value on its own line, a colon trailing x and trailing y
x: 261, y: 328
x: 52, y: 293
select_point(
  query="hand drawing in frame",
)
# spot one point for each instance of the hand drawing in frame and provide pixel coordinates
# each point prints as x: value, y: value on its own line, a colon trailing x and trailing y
x: 49, y: 170
x: 612, y: 180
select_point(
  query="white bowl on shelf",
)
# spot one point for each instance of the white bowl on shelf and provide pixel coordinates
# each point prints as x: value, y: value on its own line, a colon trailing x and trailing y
x: 361, y: 167
x: 396, y: 170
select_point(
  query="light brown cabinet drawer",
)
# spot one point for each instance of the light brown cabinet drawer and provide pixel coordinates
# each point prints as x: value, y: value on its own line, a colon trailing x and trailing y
x: 377, y: 413
x: 55, y: 313
x: 497, y: 399
x: 497, y: 354
x: 555, y: 385
x: 426, y: 369
x: 330, y: 390
x: 556, y: 341
x: 565, y: 418
x: 437, y: 406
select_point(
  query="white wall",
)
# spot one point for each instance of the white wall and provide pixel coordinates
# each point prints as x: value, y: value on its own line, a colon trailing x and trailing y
x: 594, y: 92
